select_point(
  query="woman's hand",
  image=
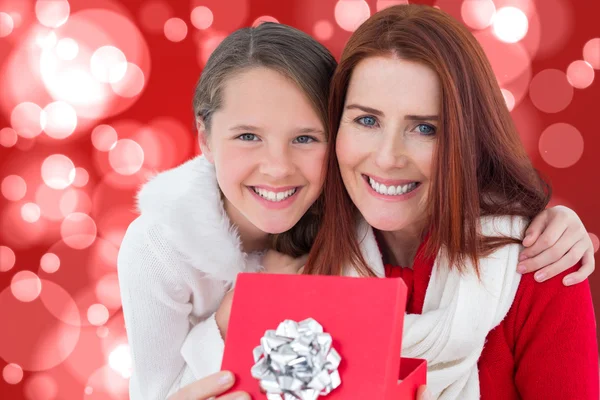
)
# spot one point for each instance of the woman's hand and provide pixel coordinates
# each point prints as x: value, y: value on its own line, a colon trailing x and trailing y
x: 212, y: 385
x: 273, y: 263
x: 555, y: 241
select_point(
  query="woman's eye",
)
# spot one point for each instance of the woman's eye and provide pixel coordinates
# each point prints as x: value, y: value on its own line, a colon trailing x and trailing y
x: 368, y: 122
x: 426, y: 129
x: 304, y: 139
x: 247, y: 137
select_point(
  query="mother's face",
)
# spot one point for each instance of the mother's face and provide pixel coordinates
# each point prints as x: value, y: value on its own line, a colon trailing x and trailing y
x: 386, y: 140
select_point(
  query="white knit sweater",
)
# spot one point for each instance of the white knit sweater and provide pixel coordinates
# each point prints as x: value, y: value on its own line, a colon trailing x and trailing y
x: 176, y: 262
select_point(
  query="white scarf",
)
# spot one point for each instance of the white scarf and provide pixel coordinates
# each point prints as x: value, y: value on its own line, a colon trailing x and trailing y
x: 459, y: 310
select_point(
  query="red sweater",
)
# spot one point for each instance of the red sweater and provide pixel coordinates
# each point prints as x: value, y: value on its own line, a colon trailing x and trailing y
x: 546, y: 346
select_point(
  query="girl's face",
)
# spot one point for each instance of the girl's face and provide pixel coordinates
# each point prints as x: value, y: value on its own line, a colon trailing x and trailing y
x: 386, y: 141
x: 268, y: 145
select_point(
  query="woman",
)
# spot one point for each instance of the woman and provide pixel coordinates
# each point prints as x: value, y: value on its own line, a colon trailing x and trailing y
x: 427, y: 155
x: 367, y: 151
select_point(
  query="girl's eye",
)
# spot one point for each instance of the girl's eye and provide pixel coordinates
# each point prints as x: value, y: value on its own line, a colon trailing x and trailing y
x: 304, y: 139
x: 426, y: 129
x: 248, y: 137
x: 368, y: 121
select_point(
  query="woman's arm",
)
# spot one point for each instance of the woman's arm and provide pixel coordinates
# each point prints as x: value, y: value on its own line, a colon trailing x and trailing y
x: 556, y: 353
x: 555, y: 240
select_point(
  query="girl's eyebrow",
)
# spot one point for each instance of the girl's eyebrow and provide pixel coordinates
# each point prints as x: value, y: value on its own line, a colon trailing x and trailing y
x: 243, y: 127
x: 252, y: 128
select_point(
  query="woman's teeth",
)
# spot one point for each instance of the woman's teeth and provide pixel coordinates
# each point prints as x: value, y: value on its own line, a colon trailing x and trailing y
x: 273, y: 196
x: 392, y: 190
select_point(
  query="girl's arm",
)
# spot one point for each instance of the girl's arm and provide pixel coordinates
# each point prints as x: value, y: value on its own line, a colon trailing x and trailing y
x: 555, y: 240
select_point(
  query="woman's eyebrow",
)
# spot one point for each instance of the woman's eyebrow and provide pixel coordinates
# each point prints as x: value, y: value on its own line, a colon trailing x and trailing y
x: 365, y: 109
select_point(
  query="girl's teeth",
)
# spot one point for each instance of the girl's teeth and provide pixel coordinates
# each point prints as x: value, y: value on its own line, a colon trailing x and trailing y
x: 273, y: 196
x: 392, y: 190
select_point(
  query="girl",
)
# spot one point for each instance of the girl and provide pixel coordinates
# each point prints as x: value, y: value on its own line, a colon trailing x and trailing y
x: 261, y: 109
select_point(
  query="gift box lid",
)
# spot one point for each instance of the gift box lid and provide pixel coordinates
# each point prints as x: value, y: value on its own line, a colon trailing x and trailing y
x: 363, y: 315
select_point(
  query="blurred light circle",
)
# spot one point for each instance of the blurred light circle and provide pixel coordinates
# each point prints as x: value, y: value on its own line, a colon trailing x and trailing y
x: 580, y: 74
x: 478, y: 14
x: 175, y: 29
x: 8, y: 137
x: 97, y: 314
x: 78, y: 231
x: 509, y: 99
x: 108, y: 64
x: 14, y: 187
x: 17, y: 18
x: 561, y: 145
x: 52, y: 13
x: 48, y: 199
x: 67, y: 49
x: 120, y: 360
x: 154, y: 14
x: 591, y: 52
x: 12, y: 374
x: 550, y: 91
x: 107, y: 291
x: 102, y: 332
x: 7, y: 258
x: 81, y: 177
x: 383, y: 4
x: 6, y: 24
x: 46, y: 39
x: 510, y: 61
x: 61, y: 120
x: 42, y: 339
x: 25, y: 286
x: 41, y: 387
x: 323, y: 30
x: 349, y: 14
x: 202, y: 17
x: 264, y: 18
x: 107, y: 384
x: 57, y: 171
x: 510, y: 24
x: 75, y: 200
x: 27, y: 119
x: 595, y: 241
x: 207, y: 46
x: 126, y: 157
x: 132, y: 82
x: 30, y: 212
x: 104, y: 137
x: 50, y: 263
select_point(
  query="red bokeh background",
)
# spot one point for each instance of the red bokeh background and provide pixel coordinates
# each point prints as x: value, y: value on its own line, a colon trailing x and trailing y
x: 95, y: 97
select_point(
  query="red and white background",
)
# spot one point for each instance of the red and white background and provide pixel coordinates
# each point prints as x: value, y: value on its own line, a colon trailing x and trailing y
x: 95, y: 97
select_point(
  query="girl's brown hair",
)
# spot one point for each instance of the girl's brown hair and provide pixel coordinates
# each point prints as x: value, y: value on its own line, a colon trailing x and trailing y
x: 480, y: 167
x: 295, y: 55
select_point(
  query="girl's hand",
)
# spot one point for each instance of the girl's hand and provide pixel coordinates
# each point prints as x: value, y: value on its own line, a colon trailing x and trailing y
x: 423, y: 393
x: 555, y: 241
x: 278, y: 263
x: 212, y: 385
x: 273, y: 263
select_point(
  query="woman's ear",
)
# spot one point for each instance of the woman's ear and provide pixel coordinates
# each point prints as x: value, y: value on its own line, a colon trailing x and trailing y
x: 203, y: 139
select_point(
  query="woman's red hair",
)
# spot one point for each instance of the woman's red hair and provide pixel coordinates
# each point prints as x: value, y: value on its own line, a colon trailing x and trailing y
x: 480, y: 167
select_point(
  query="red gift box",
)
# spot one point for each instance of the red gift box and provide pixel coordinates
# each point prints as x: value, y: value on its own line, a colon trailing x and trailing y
x: 363, y: 315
